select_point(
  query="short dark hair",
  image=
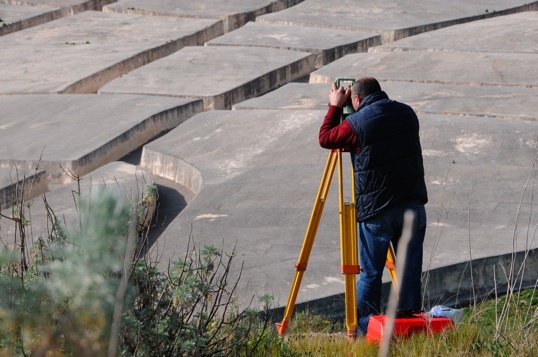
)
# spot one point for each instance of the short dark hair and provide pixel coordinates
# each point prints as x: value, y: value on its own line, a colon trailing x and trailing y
x: 365, y: 86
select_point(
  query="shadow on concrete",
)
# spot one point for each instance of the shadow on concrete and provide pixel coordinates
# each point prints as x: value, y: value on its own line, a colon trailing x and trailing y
x: 172, y: 200
x: 171, y: 203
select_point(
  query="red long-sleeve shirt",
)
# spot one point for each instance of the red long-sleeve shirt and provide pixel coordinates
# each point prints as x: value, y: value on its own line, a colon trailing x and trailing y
x: 336, y: 135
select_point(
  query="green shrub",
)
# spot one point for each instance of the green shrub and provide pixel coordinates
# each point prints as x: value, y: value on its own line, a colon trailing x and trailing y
x: 88, y: 292
x: 63, y: 300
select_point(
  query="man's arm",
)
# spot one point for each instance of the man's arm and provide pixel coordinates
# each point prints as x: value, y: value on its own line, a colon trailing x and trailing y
x: 336, y: 135
x: 333, y: 134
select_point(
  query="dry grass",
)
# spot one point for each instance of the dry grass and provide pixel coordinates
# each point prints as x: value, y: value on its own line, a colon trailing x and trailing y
x: 474, y: 336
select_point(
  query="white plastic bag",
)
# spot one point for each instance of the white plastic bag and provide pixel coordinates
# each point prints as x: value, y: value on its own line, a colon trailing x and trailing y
x: 456, y: 315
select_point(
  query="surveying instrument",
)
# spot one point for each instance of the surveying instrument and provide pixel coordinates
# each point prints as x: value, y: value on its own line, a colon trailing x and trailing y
x: 348, y: 237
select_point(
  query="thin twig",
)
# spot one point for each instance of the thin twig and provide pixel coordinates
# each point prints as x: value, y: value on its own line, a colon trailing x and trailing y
x: 392, y: 306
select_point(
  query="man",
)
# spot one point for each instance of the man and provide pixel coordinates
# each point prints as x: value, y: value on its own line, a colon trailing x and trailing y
x: 382, y: 137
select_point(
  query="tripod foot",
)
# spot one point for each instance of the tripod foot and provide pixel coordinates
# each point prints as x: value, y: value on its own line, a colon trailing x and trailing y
x: 352, y: 334
x: 282, y: 327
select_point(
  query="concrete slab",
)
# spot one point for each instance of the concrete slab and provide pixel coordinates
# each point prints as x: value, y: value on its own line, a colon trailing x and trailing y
x: 233, y: 13
x: 392, y: 19
x: 79, y: 133
x: 23, y: 184
x: 15, y: 18
x: 292, y: 96
x: 78, y: 54
x: 219, y: 75
x: 326, y: 44
x: 256, y: 193
x: 478, y: 172
x: 486, y: 101
x: 69, y: 7
x: 515, y: 33
x: 16, y: 15
x: 129, y: 182
x: 455, y: 67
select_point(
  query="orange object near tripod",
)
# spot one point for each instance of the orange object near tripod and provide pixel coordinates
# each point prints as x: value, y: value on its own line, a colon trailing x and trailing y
x: 348, y: 246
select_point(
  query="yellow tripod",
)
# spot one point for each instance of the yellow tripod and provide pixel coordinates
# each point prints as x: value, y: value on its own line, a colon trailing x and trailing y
x: 348, y: 246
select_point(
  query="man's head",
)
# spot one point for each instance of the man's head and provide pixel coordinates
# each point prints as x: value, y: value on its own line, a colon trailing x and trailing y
x: 362, y: 88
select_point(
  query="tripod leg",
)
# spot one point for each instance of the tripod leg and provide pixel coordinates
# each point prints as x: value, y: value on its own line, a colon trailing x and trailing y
x: 391, y: 266
x: 350, y: 268
x: 349, y: 255
x: 310, y: 234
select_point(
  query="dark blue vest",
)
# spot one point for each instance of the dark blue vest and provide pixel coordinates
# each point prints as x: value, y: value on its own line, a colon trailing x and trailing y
x: 388, y: 168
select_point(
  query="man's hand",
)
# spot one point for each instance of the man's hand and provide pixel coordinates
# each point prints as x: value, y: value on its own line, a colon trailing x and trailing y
x: 339, y: 96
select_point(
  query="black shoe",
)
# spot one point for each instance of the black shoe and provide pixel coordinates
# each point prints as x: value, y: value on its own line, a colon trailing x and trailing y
x: 406, y: 313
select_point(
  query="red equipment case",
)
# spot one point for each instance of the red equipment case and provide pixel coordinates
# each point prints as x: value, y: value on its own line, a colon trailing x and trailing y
x: 405, y: 326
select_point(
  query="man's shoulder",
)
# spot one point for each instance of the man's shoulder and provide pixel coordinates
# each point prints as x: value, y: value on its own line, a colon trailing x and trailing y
x: 396, y: 106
